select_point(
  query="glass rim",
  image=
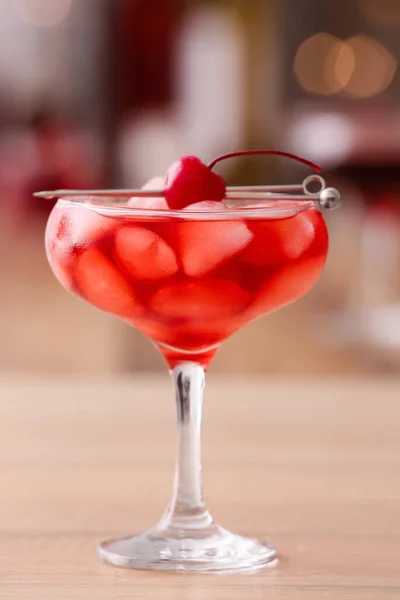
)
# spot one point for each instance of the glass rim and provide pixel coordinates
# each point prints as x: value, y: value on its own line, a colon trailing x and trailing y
x: 282, y: 200
x: 112, y: 206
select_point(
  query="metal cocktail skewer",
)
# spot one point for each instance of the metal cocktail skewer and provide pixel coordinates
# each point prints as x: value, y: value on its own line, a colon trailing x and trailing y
x: 328, y: 198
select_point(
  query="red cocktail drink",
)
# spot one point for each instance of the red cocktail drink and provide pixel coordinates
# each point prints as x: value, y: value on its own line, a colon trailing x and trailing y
x: 188, y: 266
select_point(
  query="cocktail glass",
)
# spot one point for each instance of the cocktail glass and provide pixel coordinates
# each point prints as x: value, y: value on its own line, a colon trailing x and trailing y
x: 187, y: 279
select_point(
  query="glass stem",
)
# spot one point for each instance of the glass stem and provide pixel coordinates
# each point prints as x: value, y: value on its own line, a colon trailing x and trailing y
x: 187, y: 509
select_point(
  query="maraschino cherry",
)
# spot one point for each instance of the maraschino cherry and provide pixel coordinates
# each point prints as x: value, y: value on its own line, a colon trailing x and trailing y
x: 189, y: 181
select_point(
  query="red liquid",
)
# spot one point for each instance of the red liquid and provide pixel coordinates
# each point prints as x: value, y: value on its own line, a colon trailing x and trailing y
x: 186, y: 283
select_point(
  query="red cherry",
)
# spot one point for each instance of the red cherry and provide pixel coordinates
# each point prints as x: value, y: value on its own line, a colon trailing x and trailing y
x: 188, y: 181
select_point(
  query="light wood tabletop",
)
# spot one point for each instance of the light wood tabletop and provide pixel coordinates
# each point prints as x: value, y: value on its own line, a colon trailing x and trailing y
x: 314, y: 467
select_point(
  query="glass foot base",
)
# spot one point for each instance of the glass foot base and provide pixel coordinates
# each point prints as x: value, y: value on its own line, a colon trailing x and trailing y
x: 213, y: 550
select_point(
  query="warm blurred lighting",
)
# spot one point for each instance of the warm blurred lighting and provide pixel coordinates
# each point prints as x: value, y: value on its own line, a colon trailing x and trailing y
x: 324, y: 138
x: 324, y: 64
x: 339, y: 66
x: 43, y: 13
x: 381, y: 13
x: 361, y: 66
x: 374, y: 70
x: 211, y: 77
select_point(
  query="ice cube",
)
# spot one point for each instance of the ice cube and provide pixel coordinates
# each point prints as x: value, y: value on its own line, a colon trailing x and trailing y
x: 197, y: 301
x: 297, y: 233
x: 58, y: 245
x: 87, y: 225
x: 102, y: 285
x: 144, y: 254
x: 155, y: 183
x: 153, y: 203
x: 188, y: 336
x: 278, y: 240
x: 205, y: 245
x: 152, y: 328
x: 288, y: 284
x: 206, y: 205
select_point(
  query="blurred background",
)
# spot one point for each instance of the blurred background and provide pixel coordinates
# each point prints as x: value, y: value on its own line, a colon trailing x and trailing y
x: 100, y: 93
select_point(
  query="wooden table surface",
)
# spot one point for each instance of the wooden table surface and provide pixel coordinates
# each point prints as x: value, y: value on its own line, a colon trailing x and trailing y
x: 313, y: 467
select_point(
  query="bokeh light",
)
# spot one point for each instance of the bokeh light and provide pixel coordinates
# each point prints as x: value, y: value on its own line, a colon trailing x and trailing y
x: 381, y: 13
x: 375, y: 67
x: 43, y: 13
x: 339, y: 65
x: 323, y: 64
x: 326, y: 138
x: 361, y: 66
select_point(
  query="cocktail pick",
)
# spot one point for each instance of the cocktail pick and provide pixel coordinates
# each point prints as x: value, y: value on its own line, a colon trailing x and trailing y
x: 313, y: 189
x: 324, y: 197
